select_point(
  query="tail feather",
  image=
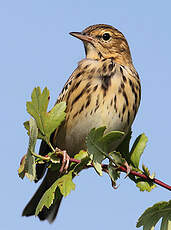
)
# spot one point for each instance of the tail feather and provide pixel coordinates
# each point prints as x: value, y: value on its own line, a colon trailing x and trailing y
x: 51, y: 213
x: 46, y: 213
x: 54, y: 211
x: 41, y: 168
x: 50, y: 178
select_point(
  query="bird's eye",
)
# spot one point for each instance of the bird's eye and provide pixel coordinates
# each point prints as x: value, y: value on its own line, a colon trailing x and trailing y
x: 106, y: 36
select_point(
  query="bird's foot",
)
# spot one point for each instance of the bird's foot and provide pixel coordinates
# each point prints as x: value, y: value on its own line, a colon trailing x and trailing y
x: 128, y: 168
x: 65, y: 160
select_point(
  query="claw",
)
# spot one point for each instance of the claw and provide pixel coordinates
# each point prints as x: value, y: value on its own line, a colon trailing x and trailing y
x: 128, y: 169
x: 65, y: 160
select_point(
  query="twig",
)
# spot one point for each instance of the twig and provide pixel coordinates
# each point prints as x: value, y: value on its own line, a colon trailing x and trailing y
x: 123, y: 169
x: 154, y: 180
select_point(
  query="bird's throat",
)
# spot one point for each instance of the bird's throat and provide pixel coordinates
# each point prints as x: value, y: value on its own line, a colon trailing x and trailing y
x: 91, y: 51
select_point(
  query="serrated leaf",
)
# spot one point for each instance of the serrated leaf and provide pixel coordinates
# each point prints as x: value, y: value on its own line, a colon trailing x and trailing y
x: 166, y: 223
x: 137, y: 149
x: 99, y: 145
x: 82, y: 165
x: 81, y: 155
x: 27, y: 127
x: 113, y: 173
x: 98, y: 167
x: 153, y: 214
x: 145, y: 170
x: 47, y: 198
x: 47, y: 122
x: 116, y: 156
x: 21, y: 171
x: 96, y: 154
x: 123, y: 148
x: 38, y: 106
x: 54, y: 118
x: 28, y: 166
x: 152, y: 176
x: 85, y: 160
x: 108, y: 139
x: 145, y: 185
x: 30, y: 159
x: 64, y: 183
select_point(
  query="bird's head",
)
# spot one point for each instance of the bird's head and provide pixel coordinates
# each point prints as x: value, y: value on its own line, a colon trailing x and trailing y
x: 104, y: 41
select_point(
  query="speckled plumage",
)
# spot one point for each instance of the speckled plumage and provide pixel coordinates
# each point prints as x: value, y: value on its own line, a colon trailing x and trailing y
x: 107, y: 97
x: 104, y: 90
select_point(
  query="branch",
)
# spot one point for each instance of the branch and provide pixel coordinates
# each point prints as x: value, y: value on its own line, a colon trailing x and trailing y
x: 134, y: 173
x: 154, y: 180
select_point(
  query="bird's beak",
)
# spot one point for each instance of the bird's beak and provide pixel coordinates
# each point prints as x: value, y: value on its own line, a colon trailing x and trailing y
x: 82, y: 37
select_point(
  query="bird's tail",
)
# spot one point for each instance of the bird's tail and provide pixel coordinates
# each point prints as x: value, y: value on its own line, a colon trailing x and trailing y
x: 45, y: 214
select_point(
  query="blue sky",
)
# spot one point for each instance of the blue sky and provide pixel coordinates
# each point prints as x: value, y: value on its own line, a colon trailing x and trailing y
x: 36, y: 50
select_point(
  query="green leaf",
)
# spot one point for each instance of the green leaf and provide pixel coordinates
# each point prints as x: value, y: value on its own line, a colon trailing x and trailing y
x: 28, y: 166
x: 144, y: 185
x: 98, y: 166
x: 38, y: 106
x: 166, y: 222
x: 107, y: 141
x: 85, y: 160
x: 54, y: 118
x: 64, y: 183
x: 99, y: 145
x: 113, y: 173
x: 82, y: 165
x: 54, y: 157
x: 21, y: 170
x: 137, y: 149
x: 123, y: 148
x: 47, y: 198
x: 116, y: 156
x: 96, y: 154
x: 146, y: 171
x: 153, y: 214
x: 27, y: 127
x: 47, y: 122
x: 81, y: 155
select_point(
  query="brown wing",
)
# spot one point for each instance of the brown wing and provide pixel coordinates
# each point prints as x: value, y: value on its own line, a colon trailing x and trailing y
x: 44, y: 147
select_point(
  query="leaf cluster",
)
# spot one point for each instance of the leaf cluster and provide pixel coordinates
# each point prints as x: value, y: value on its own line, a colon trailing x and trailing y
x: 42, y: 124
x: 160, y: 210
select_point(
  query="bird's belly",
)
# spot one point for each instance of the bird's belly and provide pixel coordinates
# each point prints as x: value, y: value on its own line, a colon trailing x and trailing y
x: 80, y: 127
x: 98, y: 103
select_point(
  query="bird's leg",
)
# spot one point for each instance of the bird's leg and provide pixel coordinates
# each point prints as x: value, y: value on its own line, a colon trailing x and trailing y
x: 65, y: 160
x: 128, y: 168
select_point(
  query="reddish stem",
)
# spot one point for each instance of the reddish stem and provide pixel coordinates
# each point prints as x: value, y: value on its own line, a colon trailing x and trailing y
x: 123, y: 169
x: 154, y: 180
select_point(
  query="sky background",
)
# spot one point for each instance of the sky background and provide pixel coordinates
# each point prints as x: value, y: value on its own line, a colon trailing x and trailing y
x: 36, y: 50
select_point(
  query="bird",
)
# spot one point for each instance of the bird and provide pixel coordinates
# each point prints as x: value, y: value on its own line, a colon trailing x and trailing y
x: 104, y: 90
